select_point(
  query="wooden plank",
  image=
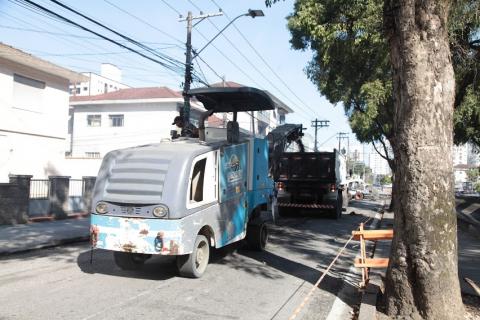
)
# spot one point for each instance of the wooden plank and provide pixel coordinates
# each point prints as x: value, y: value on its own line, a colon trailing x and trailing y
x: 373, y: 234
x: 371, y: 263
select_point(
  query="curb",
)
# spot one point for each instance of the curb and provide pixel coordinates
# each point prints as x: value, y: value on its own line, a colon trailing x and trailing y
x: 49, y: 244
x: 472, y: 222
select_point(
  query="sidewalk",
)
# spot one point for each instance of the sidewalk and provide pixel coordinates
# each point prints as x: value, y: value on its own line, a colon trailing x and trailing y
x: 468, y: 255
x: 25, y: 237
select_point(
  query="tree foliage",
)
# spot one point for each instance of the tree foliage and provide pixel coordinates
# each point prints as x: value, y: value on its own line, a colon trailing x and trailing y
x: 351, y: 64
x: 473, y: 175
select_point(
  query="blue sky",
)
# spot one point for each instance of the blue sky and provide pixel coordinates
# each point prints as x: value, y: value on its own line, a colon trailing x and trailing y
x: 155, y: 23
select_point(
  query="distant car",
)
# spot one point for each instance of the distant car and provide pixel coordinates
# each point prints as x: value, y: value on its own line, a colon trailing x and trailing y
x: 357, y: 189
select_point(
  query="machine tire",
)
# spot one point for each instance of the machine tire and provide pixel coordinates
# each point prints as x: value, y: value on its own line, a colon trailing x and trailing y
x: 193, y: 265
x: 257, y: 237
x: 129, y: 261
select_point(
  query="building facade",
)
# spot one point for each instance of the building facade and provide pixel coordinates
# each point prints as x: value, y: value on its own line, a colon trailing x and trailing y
x: 109, y: 80
x: 34, y: 113
x: 124, y: 118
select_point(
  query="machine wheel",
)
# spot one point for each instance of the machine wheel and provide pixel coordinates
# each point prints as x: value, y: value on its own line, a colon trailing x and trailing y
x: 257, y: 236
x: 129, y: 261
x: 193, y: 265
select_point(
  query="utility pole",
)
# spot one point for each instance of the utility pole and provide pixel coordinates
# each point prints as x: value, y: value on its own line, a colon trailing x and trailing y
x: 342, y: 135
x: 188, y: 72
x: 319, y: 124
x: 188, y: 61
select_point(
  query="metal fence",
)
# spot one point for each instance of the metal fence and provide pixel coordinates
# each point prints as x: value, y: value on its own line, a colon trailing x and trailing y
x: 39, y: 189
x: 75, y: 188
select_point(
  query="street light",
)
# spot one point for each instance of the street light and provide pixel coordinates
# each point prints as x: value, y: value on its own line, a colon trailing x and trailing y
x: 255, y: 13
x: 251, y: 13
x: 189, y: 57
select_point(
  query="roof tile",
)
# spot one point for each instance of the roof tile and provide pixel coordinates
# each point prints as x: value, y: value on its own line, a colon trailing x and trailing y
x: 132, y: 94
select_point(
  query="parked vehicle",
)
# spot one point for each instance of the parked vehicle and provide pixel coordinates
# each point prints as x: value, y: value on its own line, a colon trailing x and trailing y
x: 184, y: 196
x: 311, y: 180
x: 357, y: 189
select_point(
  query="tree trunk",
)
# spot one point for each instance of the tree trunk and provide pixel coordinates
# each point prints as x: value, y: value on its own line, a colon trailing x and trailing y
x: 422, y: 278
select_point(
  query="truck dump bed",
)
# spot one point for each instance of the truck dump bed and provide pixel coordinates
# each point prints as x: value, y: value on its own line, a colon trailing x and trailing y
x: 307, y: 166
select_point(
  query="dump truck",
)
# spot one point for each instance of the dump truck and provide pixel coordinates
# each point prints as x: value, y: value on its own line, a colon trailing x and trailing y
x: 314, y: 181
x: 187, y: 195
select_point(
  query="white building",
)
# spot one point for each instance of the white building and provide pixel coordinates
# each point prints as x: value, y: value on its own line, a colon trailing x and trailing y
x: 379, y: 165
x: 110, y: 79
x: 33, y: 113
x: 473, y: 156
x: 124, y: 118
x: 460, y: 154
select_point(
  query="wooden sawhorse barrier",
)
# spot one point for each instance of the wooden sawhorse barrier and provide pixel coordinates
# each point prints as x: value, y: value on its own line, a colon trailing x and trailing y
x: 363, y: 262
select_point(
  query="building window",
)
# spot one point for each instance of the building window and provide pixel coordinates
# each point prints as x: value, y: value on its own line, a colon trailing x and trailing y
x: 28, y: 93
x: 85, y: 88
x: 95, y: 155
x: 94, y: 120
x: 116, y: 120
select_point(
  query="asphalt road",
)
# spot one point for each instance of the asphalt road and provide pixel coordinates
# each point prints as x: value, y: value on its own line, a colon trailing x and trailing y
x: 60, y: 283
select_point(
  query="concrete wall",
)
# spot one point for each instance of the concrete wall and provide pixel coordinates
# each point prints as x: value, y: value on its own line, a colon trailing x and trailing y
x: 14, y: 200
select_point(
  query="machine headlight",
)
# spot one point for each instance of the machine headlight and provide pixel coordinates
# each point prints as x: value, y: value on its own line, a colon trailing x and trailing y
x: 160, y: 211
x: 101, y: 208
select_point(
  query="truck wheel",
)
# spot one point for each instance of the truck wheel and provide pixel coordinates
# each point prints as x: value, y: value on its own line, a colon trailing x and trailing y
x: 129, y: 261
x: 193, y: 265
x: 339, y: 208
x: 257, y: 237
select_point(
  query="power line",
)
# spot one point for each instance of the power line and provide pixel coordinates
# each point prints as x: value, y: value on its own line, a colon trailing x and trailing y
x: 145, y: 22
x: 170, y: 45
x: 209, y: 67
x: 168, y: 5
x: 70, y: 42
x: 58, y: 16
x: 265, y: 61
x: 248, y: 61
x: 135, y: 42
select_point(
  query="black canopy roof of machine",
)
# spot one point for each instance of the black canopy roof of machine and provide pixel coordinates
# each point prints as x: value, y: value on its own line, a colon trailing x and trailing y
x: 240, y: 99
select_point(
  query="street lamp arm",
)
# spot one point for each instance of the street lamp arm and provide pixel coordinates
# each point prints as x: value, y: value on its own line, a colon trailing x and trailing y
x: 236, y: 18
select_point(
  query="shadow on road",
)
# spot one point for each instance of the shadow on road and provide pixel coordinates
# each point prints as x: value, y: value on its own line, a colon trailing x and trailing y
x: 156, y: 268
x: 314, y: 238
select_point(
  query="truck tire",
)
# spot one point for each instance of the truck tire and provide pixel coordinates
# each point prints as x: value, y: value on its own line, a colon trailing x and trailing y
x: 337, y: 211
x: 257, y: 236
x: 193, y: 265
x: 129, y: 261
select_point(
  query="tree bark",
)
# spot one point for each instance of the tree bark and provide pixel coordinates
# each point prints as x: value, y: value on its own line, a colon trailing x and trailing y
x: 422, y: 277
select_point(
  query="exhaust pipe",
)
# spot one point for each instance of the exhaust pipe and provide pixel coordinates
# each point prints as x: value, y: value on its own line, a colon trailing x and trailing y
x: 201, y: 126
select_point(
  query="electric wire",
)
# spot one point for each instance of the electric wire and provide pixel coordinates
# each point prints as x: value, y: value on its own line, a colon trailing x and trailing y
x: 170, y: 45
x: 264, y: 60
x: 133, y: 41
x: 144, y: 22
x: 171, y: 7
x: 43, y: 9
x: 249, y: 62
x: 69, y: 42
x: 194, y: 75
